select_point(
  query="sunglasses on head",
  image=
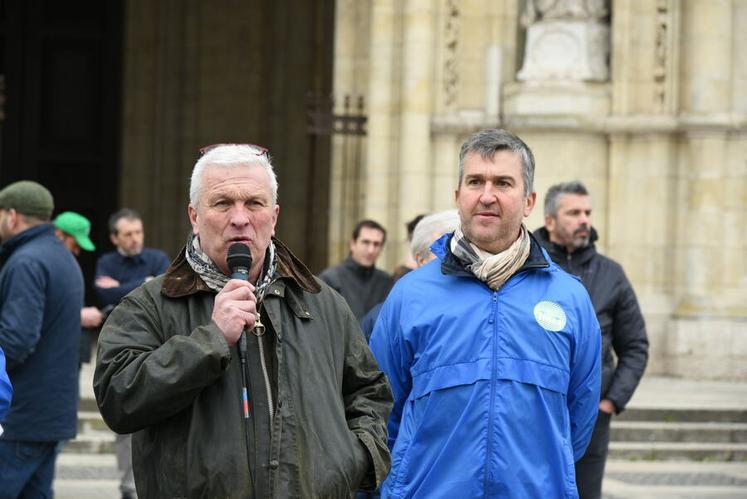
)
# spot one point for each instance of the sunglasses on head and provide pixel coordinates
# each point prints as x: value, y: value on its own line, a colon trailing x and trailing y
x: 258, y: 150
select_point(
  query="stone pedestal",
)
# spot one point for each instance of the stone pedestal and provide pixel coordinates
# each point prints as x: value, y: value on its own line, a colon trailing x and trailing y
x: 556, y: 98
x: 566, y: 50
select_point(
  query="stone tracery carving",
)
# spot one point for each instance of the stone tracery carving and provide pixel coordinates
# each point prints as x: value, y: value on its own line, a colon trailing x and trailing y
x: 660, y: 54
x: 451, y: 37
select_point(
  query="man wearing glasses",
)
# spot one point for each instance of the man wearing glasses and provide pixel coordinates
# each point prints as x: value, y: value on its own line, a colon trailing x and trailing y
x: 242, y: 388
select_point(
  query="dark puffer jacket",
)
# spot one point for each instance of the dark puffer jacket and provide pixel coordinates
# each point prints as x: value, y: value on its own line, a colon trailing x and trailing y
x: 620, y: 319
x: 165, y: 371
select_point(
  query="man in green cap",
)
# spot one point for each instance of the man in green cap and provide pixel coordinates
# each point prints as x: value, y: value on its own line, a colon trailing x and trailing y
x: 74, y: 230
x: 41, y: 294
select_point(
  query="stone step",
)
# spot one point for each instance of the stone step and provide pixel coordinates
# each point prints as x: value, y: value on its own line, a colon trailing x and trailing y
x: 90, y: 420
x: 655, y: 431
x: 75, y: 466
x: 91, y: 442
x: 683, y: 415
x: 667, y: 451
x: 87, y: 404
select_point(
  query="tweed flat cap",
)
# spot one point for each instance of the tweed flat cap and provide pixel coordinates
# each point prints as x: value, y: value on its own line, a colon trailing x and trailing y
x: 29, y: 198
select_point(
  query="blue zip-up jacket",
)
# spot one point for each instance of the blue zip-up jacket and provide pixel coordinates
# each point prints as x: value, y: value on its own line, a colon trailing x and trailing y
x: 495, y: 392
x: 6, y: 389
x: 41, y: 294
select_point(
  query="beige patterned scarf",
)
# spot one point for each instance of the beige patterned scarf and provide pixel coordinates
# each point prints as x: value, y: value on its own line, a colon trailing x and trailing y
x: 493, y: 269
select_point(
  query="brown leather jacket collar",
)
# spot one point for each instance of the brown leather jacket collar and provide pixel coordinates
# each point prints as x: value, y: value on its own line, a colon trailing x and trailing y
x: 180, y: 280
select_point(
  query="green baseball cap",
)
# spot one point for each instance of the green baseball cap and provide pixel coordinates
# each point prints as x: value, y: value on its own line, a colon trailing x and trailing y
x: 77, y: 226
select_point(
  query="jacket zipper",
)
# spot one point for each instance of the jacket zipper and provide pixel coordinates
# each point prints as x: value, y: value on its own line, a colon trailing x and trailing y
x: 259, y: 330
x: 493, y: 388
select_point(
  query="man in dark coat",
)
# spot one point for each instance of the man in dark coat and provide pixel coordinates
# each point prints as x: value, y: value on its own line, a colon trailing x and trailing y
x: 569, y: 239
x: 235, y: 388
x: 41, y: 294
x: 356, y: 278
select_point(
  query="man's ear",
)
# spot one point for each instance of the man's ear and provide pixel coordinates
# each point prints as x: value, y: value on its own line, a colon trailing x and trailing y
x: 192, y: 212
x: 530, y: 202
x: 549, y: 223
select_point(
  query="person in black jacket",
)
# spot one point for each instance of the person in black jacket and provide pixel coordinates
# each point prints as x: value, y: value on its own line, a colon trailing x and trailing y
x: 569, y: 239
x: 356, y: 278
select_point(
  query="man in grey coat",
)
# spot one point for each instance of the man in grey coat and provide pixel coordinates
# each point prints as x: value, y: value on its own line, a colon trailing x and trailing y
x: 569, y: 239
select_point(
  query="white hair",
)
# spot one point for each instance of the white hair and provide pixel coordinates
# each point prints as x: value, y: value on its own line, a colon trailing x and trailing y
x: 231, y: 156
x: 430, y: 228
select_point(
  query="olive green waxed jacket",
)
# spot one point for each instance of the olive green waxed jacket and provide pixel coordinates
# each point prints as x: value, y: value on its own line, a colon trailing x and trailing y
x: 165, y: 373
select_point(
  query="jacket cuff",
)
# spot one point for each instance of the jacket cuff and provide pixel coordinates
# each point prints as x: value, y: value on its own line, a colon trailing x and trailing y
x: 375, y: 474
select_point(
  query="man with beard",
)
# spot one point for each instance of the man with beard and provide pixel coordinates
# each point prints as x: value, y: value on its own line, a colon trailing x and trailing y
x: 491, y: 349
x: 41, y: 294
x: 569, y: 239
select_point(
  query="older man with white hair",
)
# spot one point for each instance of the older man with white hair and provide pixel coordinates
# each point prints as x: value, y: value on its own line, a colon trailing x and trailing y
x: 262, y: 387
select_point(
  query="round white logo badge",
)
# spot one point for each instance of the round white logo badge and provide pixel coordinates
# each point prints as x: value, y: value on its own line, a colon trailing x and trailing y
x: 550, y: 315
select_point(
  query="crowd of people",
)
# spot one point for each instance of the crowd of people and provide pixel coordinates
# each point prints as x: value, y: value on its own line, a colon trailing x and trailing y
x: 489, y: 364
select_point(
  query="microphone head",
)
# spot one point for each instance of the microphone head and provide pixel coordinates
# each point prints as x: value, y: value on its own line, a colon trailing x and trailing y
x: 239, y: 256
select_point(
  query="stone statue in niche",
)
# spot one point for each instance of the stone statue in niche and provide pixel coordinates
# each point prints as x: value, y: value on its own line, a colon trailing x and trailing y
x: 567, y: 40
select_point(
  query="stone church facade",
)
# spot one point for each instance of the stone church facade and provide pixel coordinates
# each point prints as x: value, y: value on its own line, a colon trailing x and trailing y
x: 645, y: 101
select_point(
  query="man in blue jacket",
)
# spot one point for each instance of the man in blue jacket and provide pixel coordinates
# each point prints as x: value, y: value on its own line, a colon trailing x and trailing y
x: 492, y: 351
x: 41, y: 294
x: 117, y: 273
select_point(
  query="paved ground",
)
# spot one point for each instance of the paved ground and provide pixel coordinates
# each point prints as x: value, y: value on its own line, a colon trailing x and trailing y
x: 86, y: 476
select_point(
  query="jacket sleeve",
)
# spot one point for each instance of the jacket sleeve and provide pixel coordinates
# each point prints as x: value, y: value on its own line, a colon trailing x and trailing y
x: 6, y: 389
x: 368, y: 401
x: 387, y: 346
x: 142, y: 376
x: 586, y: 377
x: 22, y: 311
x: 630, y: 343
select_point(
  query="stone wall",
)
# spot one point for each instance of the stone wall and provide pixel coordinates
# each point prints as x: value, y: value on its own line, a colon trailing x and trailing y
x: 658, y: 133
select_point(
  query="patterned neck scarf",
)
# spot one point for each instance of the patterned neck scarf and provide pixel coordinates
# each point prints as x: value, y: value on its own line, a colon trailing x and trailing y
x: 493, y: 269
x: 215, y: 279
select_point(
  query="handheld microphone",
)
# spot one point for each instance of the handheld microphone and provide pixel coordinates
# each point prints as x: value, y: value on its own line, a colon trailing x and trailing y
x: 239, y: 261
